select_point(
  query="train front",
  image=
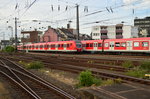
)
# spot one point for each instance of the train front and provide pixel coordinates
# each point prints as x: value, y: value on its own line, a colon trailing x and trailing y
x: 78, y: 46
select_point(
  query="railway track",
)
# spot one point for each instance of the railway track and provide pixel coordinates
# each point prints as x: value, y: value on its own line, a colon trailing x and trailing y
x: 97, y: 56
x: 76, y: 62
x: 53, y: 63
x: 38, y: 87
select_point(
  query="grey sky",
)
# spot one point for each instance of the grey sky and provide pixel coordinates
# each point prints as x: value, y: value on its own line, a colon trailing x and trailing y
x: 112, y: 12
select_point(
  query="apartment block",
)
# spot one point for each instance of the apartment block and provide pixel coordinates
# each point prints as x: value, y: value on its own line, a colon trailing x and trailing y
x: 118, y: 31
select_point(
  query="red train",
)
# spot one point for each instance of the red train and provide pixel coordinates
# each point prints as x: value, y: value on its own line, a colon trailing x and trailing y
x: 118, y: 45
x: 61, y: 46
x: 108, y: 45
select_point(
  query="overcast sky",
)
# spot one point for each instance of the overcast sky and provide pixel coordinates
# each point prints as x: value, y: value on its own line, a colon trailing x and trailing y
x: 57, y: 13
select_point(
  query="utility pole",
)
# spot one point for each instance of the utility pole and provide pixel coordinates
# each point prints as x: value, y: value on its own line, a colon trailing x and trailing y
x: 78, y: 38
x: 16, y: 34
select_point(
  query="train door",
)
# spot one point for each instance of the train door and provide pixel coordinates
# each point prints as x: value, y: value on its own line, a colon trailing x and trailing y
x: 65, y: 46
x: 129, y: 45
x: 95, y: 46
x: 56, y: 47
x: 111, y: 46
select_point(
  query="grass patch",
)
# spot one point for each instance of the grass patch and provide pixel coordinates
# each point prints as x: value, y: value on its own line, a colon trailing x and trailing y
x: 127, y: 64
x: 140, y: 71
x: 145, y: 65
x: 137, y: 72
x: 108, y: 82
x: 34, y: 65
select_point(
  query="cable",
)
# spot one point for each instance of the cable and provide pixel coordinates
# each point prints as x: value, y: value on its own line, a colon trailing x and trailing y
x: 29, y: 7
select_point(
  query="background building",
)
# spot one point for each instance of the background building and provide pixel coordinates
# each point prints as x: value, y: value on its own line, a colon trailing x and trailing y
x: 4, y: 43
x: 144, y: 26
x: 118, y: 31
x: 30, y: 36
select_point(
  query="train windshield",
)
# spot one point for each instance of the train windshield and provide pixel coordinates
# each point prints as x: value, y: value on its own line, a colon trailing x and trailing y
x: 78, y: 44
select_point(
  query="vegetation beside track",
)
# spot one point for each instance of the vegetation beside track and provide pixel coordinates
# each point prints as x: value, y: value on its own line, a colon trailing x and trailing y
x: 139, y: 71
x: 32, y: 65
x: 9, y: 49
x: 86, y: 79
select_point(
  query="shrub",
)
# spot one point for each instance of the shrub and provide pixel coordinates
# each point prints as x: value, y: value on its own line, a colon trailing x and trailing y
x: 9, y: 49
x: 108, y: 82
x: 145, y: 65
x: 127, y: 64
x: 34, y: 65
x: 86, y: 79
x: 118, y: 80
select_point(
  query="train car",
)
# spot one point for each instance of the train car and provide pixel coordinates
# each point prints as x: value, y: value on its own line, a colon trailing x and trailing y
x: 92, y: 45
x: 118, y: 45
x: 60, y: 46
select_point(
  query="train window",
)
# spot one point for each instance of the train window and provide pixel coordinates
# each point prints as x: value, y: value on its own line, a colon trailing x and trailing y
x: 24, y: 47
x: 136, y: 44
x: 99, y: 44
x: 144, y: 44
x: 95, y: 44
x: 87, y: 45
x: 106, y: 44
x: 59, y: 45
x: 123, y: 44
x: 45, y: 46
x: 111, y: 45
x: 32, y: 46
x: 41, y: 46
x: 78, y: 45
x: 53, y: 46
x: 117, y: 44
x: 48, y: 46
x: 91, y: 45
x: 68, y: 45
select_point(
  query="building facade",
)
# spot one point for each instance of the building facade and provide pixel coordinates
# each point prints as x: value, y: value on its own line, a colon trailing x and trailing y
x: 144, y: 26
x: 30, y: 36
x: 118, y: 31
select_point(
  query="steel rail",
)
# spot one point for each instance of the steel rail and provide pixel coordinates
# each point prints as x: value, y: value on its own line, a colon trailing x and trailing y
x: 43, y: 81
x: 25, y: 89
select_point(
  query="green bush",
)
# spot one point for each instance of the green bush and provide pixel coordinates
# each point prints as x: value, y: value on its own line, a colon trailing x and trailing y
x: 9, y: 49
x: 145, y: 65
x: 86, y: 79
x: 34, y: 65
x: 127, y: 64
